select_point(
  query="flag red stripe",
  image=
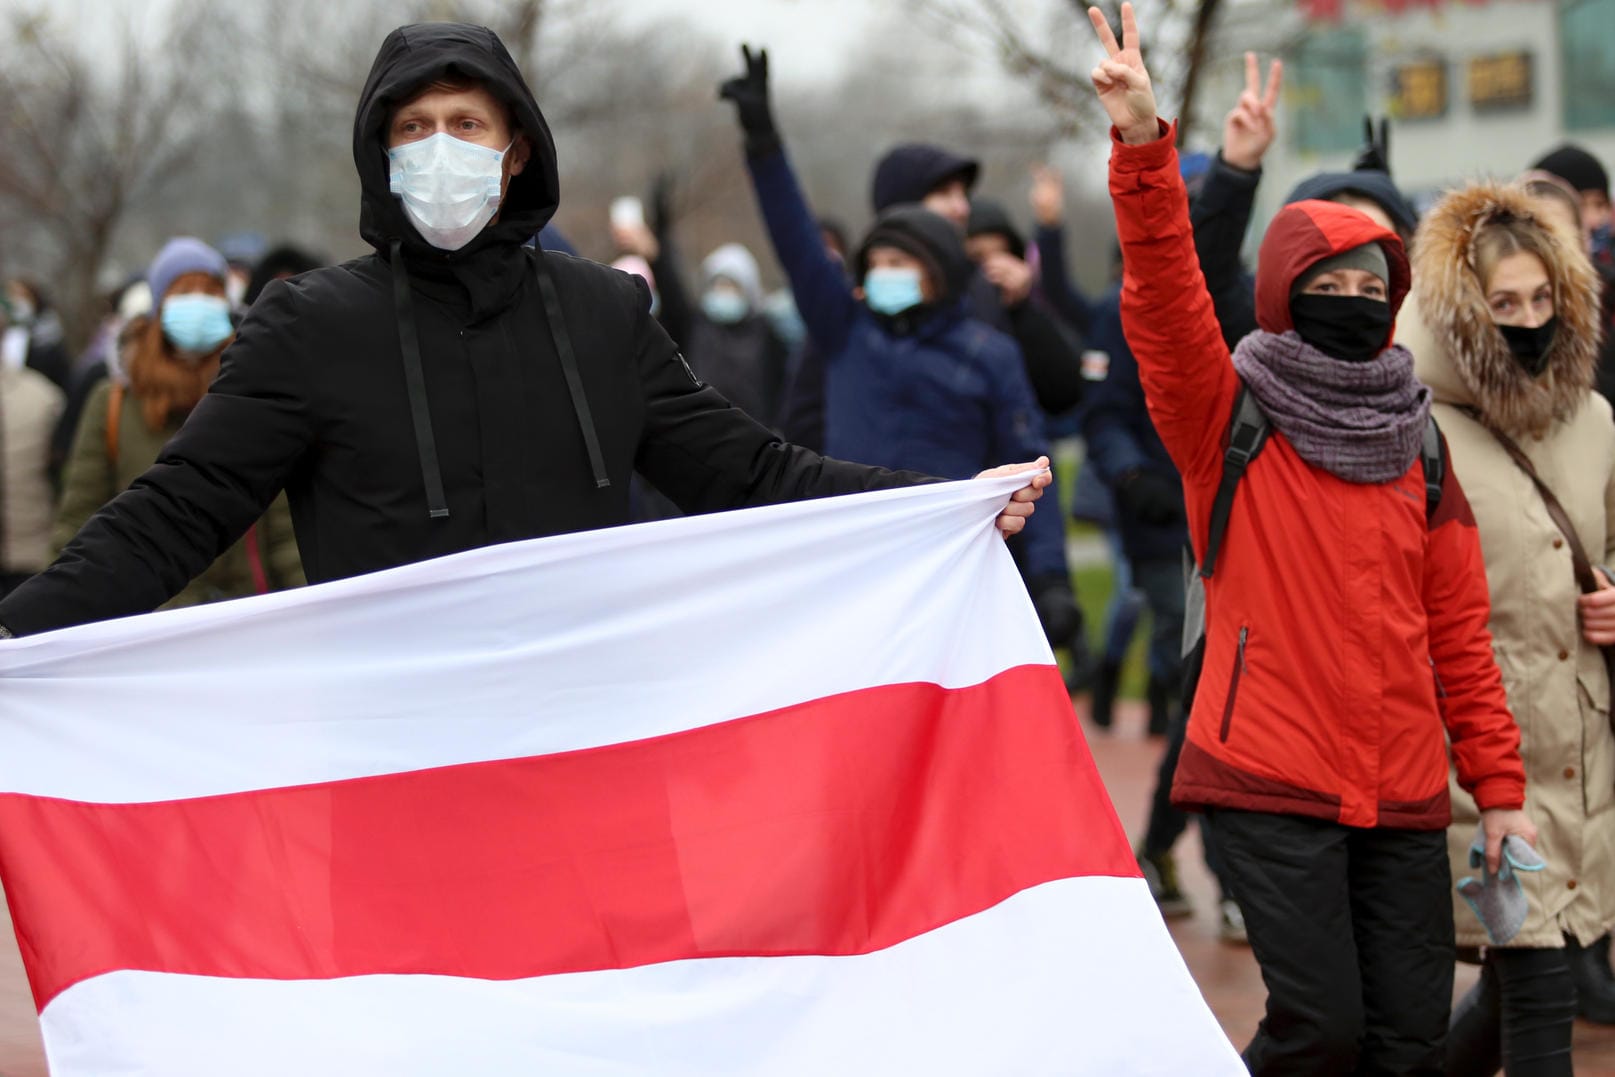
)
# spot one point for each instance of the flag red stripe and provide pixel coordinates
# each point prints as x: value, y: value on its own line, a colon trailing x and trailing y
x: 838, y: 826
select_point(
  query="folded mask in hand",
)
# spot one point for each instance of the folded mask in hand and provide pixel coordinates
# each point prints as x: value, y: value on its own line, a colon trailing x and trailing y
x: 1498, y: 899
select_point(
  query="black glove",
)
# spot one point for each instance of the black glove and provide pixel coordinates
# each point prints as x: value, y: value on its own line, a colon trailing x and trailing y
x: 1057, y: 609
x: 1376, y: 152
x: 749, y: 92
x: 661, y: 204
x: 1150, y: 497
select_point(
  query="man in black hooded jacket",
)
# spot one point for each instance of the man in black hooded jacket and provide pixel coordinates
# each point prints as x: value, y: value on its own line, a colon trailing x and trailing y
x: 432, y: 398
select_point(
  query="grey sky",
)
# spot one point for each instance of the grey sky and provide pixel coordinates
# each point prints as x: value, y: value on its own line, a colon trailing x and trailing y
x: 813, y: 37
x: 819, y: 28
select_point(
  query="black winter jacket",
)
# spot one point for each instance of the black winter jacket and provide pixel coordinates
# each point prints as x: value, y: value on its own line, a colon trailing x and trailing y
x: 312, y: 397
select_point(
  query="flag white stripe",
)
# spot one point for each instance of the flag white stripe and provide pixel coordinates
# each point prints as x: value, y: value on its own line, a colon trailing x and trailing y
x: 1072, y: 977
x: 526, y: 649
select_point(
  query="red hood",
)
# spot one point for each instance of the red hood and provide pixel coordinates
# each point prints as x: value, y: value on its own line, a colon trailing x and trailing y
x: 1306, y: 232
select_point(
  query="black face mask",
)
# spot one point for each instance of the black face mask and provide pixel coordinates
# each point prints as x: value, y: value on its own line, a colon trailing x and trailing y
x: 1350, y: 328
x: 1530, y: 345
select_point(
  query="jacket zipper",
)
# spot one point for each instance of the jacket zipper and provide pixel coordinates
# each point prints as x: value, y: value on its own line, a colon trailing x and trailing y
x: 1441, y: 689
x: 1233, y: 685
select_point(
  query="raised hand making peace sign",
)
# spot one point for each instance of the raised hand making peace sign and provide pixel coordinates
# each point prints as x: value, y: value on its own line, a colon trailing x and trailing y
x: 1249, y: 129
x: 1123, y: 83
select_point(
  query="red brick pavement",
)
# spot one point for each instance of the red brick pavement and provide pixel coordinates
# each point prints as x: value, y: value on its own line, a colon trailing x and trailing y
x: 1226, y: 974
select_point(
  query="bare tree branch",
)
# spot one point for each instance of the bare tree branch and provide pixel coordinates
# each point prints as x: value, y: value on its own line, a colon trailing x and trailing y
x: 1061, y: 82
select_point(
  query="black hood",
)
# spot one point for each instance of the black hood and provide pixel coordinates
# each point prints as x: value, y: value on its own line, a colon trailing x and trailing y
x: 411, y: 58
x: 1369, y: 183
x: 913, y: 170
x: 929, y: 238
x: 989, y: 218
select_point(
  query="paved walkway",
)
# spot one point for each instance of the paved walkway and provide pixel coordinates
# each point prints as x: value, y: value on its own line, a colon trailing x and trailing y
x: 1227, y: 975
x: 1127, y: 759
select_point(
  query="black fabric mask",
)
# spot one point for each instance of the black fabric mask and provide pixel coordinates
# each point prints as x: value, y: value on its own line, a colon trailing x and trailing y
x: 1351, y: 328
x: 1530, y: 345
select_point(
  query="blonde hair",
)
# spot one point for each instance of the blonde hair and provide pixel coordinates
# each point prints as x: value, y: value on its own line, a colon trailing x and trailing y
x: 1502, y: 235
x: 1547, y: 187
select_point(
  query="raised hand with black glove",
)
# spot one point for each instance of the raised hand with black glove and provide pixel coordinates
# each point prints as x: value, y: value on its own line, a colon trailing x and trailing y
x: 1376, y: 152
x: 1150, y: 497
x: 749, y: 92
x: 660, y: 204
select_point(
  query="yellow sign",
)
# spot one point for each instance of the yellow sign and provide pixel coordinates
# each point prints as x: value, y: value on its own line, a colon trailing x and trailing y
x: 1419, y: 90
x: 1501, y: 80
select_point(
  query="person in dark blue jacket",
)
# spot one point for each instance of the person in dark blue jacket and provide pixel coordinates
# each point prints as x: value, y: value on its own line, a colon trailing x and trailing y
x: 1129, y: 456
x: 908, y: 374
x: 1001, y: 294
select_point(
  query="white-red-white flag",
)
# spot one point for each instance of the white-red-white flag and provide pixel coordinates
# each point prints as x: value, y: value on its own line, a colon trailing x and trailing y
x: 795, y: 790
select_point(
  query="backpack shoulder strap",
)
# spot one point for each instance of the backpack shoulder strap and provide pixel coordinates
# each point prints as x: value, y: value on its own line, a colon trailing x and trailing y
x: 1247, y: 433
x: 1433, y: 454
x: 114, y: 420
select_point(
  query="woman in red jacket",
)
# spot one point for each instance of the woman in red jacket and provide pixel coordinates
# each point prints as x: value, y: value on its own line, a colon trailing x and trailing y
x: 1347, y: 639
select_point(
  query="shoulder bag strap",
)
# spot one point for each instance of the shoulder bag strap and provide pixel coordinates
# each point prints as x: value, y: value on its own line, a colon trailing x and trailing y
x: 114, y: 421
x: 1586, y: 576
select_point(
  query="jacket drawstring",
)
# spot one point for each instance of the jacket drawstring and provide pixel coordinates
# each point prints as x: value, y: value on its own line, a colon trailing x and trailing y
x: 415, y: 381
x: 437, y: 504
x: 569, y: 366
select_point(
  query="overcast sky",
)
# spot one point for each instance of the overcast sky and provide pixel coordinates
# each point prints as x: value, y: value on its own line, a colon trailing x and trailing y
x: 813, y: 37
x: 820, y: 28
x: 826, y: 27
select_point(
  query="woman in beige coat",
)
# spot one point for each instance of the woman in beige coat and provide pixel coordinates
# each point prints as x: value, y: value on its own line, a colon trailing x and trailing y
x: 1509, y: 307
x: 30, y: 405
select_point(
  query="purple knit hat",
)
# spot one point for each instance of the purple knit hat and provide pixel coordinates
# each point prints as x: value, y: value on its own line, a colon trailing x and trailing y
x: 179, y: 256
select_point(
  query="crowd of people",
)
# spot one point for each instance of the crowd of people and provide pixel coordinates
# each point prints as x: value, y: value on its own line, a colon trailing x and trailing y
x: 1385, y: 454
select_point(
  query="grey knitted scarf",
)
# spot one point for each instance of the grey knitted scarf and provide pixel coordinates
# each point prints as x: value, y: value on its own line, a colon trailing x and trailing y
x: 1361, y: 422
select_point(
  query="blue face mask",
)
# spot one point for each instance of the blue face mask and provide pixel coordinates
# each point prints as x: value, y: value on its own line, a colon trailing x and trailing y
x: 892, y: 291
x: 196, y: 323
x: 1603, y: 241
x: 725, y: 306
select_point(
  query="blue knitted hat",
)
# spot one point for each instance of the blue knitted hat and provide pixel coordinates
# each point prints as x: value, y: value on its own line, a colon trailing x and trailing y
x: 179, y: 256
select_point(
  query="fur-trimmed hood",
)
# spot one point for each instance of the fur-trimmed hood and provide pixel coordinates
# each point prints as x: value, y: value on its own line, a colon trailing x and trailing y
x: 1464, y: 358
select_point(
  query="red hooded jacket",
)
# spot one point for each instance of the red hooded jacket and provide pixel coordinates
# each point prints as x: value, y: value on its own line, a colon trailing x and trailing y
x: 1346, y: 635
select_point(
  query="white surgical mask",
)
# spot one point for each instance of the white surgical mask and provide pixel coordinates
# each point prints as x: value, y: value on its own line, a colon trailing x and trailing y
x: 449, y: 187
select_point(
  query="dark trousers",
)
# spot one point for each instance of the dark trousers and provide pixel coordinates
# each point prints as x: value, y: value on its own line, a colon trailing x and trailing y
x: 1167, y: 823
x: 1353, y: 932
x: 1517, y: 1018
x: 1161, y: 582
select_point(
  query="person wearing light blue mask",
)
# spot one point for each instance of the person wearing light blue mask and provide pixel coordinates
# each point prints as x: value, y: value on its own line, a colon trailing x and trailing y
x: 195, y: 323
x: 724, y: 303
x: 893, y: 289
x: 732, y: 343
x: 167, y: 369
x: 912, y: 379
